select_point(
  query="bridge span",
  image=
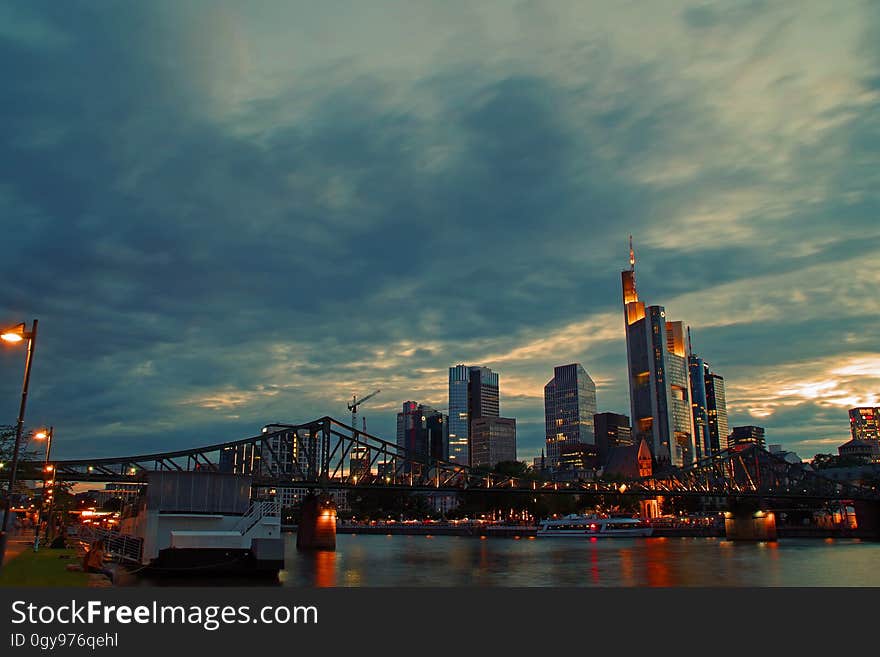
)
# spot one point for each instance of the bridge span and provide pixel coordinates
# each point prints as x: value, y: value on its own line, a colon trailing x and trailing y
x: 326, y: 453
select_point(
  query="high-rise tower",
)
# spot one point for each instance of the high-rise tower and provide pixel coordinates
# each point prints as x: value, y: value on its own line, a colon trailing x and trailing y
x: 659, y: 380
x: 569, y: 407
x: 473, y: 393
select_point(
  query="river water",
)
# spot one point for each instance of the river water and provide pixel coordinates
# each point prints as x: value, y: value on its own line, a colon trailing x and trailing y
x: 381, y: 560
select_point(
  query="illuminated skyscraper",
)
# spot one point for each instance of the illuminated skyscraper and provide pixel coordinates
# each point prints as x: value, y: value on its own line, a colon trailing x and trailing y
x: 493, y: 440
x: 864, y: 423
x: 473, y: 393
x: 716, y: 409
x: 569, y: 407
x: 698, y: 370
x: 659, y: 381
x: 747, y: 435
x: 422, y: 431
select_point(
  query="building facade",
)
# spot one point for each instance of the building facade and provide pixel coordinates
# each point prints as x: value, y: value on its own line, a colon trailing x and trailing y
x: 286, y: 456
x: 569, y: 407
x: 493, y: 440
x: 716, y: 410
x: 423, y: 432
x: 700, y: 406
x: 659, y: 380
x: 748, y: 435
x: 612, y: 430
x: 473, y: 393
x: 864, y: 423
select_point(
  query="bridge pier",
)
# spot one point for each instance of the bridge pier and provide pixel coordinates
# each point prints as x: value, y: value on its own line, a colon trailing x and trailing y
x: 317, y: 524
x: 868, y: 518
x: 746, y: 521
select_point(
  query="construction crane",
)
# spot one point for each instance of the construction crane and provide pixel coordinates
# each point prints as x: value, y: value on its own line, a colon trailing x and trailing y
x: 353, y: 407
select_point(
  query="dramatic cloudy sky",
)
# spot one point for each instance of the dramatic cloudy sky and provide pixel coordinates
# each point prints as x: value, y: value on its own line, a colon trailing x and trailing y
x: 226, y: 214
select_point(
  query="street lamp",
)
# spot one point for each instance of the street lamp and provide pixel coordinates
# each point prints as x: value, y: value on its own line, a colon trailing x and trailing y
x: 14, y: 335
x: 47, y: 470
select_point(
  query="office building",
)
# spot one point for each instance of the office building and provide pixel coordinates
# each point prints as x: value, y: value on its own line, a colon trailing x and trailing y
x: 569, y: 407
x: 659, y: 380
x: 700, y: 406
x: 578, y: 456
x: 359, y: 461
x: 423, y: 432
x: 709, y: 406
x: 747, y: 435
x: 286, y: 454
x: 716, y: 410
x: 864, y: 423
x: 612, y: 430
x: 473, y: 393
x: 493, y: 440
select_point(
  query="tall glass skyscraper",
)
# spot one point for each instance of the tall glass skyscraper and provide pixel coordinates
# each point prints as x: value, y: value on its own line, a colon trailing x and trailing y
x: 659, y: 380
x: 698, y: 370
x: 473, y: 393
x: 716, y: 408
x: 423, y: 431
x: 864, y: 422
x: 569, y: 407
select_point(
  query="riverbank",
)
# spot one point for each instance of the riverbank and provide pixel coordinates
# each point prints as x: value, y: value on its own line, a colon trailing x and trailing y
x: 48, y: 567
x: 502, y: 531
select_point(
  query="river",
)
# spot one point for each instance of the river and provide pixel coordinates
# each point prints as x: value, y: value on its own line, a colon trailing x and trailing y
x: 380, y: 560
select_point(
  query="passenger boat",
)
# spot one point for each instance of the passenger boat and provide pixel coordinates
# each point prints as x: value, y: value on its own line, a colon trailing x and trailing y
x: 591, y: 526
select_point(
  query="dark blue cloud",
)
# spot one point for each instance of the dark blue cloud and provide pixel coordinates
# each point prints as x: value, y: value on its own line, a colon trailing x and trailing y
x: 177, y: 248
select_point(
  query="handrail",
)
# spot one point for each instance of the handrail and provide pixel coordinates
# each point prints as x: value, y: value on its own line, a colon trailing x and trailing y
x: 255, y: 513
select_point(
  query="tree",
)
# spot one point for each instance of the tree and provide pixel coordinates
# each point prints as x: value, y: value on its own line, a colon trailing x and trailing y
x: 7, y: 449
x: 7, y: 445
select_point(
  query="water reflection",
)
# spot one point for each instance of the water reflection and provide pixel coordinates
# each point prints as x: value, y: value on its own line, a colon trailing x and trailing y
x: 382, y: 560
x: 385, y: 560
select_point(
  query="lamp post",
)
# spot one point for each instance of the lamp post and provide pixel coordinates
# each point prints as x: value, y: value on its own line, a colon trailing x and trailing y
x: 14, y: 335
x: 48, y: 471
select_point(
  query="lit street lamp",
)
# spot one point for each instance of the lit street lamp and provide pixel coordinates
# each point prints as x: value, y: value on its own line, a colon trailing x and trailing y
x: 15, y: 335
x: 48, y: 471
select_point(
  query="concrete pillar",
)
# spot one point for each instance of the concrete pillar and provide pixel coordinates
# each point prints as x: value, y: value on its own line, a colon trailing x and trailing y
x: 746, y: 521
x: 317, y: 525
x: 649, y: 509
x: 868, y: 519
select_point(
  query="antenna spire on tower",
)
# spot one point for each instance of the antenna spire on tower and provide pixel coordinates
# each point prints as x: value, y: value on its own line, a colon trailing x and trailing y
x: 632, y: 255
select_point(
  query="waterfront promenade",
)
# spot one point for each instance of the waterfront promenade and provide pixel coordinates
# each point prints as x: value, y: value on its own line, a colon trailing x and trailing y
x: 526, y: 531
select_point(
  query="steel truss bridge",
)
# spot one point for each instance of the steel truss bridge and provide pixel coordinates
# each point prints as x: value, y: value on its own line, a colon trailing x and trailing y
x: 318, y: 455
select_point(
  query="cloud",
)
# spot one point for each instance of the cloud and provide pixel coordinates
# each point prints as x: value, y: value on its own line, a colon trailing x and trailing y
x: 224, y: 217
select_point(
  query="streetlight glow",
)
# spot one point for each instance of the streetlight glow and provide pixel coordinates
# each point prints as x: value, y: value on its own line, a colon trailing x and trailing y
x: 14, y: 334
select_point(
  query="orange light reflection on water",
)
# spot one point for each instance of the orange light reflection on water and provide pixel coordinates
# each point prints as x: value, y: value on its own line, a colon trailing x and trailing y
x: 657, y: 570
x: 325, y: 568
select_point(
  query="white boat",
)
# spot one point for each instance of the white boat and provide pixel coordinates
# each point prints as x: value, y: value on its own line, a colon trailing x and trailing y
x: 591, y: 526
x: 202, y: 523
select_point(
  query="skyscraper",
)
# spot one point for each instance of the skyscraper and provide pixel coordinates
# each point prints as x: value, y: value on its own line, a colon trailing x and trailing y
x: 423, y: 431
x: 493, y: 440
x: 716, y: 409
x: 612, y: 430
x: 473, y: 393
x: 747, y: 435
x: 658, y: 377
x: 864, y: 423
x: 569, y: 407
x: 700, y: 406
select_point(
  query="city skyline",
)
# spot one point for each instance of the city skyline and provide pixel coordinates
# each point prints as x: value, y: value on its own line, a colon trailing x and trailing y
x: 249, y: 223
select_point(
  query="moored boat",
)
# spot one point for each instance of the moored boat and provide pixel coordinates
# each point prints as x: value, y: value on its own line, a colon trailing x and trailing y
x: 204, y: 523
x: 593, y: 526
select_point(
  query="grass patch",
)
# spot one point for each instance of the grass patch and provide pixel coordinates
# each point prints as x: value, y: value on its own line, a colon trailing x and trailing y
x: 43, y: 568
